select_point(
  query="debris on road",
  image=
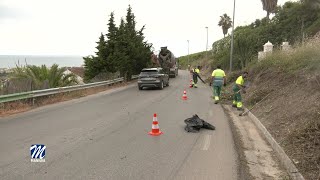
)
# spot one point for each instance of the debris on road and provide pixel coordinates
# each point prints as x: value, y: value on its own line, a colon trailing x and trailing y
x: 194, y: 124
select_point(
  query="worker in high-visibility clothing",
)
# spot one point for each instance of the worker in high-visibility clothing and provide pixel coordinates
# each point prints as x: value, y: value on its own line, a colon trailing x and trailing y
x: 195, y: 75
x: 237, y: 88
x: 218, y: 79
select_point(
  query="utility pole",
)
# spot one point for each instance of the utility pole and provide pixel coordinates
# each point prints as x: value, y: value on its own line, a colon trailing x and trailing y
x: 232, y: 36
x: 207, y: 45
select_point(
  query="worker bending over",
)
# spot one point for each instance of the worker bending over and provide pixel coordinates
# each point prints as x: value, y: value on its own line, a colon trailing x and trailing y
x: 237, y: 88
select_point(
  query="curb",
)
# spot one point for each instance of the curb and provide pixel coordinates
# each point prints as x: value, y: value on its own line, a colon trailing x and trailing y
x: 284, y: 159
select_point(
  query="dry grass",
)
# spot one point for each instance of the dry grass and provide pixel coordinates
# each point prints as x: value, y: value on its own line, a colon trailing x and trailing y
x: 305, y: 58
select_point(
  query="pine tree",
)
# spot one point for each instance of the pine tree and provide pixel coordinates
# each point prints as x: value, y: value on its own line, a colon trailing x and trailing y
x: 112, y: 29
x: 112, y: 38
x: 120, y: 53
x: 144, y: 51
x: 137, y: 50
x: 91, y: 67
x: 125, y: 50
x: 96, y: 64
x: 102, y: 54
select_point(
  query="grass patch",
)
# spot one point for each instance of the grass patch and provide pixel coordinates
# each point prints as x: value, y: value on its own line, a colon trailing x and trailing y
x: 306, y: 58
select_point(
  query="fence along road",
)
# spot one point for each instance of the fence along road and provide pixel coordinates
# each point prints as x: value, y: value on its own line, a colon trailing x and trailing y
x: 105, y: 136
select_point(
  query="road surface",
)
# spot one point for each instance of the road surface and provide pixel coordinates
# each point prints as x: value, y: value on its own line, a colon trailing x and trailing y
x: 105, y: 136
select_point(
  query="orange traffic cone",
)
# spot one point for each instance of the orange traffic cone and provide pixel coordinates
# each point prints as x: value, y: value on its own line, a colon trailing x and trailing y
x: 191, y: 85
x: 184, y: 96
x: 155, y: 127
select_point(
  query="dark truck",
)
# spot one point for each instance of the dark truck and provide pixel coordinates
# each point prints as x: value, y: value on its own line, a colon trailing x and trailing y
x: 168, y: 62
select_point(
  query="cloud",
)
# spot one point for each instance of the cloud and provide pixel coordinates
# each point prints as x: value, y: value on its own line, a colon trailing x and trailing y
x: 73, y: 26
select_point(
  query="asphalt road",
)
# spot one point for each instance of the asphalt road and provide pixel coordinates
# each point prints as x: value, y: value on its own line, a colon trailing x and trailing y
x: 105, y: 136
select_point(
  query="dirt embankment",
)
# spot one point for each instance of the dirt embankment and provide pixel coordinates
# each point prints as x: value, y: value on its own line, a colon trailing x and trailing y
x: 291, y: 113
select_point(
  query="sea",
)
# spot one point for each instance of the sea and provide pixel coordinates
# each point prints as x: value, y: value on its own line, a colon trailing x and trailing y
x: 10, y: 61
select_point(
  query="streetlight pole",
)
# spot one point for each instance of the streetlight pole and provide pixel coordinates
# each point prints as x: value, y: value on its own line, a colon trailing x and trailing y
x: 232, y: 36
x: 188, y: 53
x: 207, y: 45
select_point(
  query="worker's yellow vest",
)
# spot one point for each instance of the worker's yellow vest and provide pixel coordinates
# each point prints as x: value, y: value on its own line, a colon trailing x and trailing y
x: 218, y: 75
x: 196, y: 70
x: 240, y: 81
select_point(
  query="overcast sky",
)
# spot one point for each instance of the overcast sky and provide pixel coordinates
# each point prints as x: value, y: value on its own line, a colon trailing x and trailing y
x: 71, y: 27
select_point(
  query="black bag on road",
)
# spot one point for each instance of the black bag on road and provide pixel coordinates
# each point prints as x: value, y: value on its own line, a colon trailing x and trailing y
x: 194, y: 124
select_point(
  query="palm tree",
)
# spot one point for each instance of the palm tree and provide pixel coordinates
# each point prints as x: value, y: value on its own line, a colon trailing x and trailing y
x: 226, y: 23
x: 39, y: 75
x: 270, y: 6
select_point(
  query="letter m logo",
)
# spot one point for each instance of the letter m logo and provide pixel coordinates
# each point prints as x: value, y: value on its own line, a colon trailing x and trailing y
x: 38, y: 151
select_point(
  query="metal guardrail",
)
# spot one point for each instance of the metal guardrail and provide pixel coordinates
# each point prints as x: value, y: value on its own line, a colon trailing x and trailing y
x: 46, y: 92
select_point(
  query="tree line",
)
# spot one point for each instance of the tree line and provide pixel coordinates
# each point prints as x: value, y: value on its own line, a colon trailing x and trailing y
x: 123, y: 49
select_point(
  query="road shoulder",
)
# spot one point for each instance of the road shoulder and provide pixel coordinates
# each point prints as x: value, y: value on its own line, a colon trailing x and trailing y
x: 257, y: 158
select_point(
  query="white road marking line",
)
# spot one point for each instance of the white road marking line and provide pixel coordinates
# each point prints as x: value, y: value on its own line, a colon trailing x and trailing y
x: 207, y: 141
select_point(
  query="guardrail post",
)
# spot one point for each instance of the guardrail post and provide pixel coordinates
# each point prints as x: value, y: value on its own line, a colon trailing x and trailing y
x: 33, y: 100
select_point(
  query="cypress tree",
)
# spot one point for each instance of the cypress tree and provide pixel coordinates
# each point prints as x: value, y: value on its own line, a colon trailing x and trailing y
x: 91, y: 67
x: 102, y: 54
x: 120, y: 53
x: 125, y: 50
x: 138, y: 51
x: 112, y: 38
x: 96, y: 64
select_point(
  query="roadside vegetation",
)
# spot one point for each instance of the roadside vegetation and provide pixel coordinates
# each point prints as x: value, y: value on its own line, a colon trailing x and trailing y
x: 294, y: 22
x: 291, y: 112
x: 122, y: 50
x: 31, y: 77
x: 290, y: 78
x: 44, y: 77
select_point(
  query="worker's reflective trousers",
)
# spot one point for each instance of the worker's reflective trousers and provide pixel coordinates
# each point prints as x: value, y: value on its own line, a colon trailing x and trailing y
x: 237, y: 100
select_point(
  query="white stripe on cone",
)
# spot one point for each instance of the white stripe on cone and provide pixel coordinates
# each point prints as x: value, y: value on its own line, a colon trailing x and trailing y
x: 155, y: 126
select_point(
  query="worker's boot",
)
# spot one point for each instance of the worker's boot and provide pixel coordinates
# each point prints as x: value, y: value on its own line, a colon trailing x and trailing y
x: 240, y: 109
x: 216, y: 99
x: 239, y: 106
x: 234, y: 105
